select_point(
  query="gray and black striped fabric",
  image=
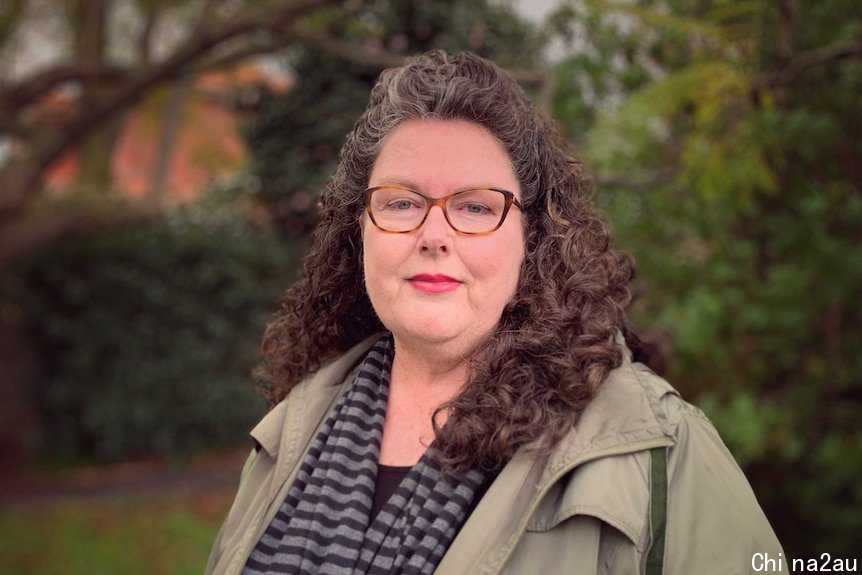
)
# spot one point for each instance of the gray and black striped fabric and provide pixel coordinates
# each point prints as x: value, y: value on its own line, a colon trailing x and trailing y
x: 324, y: 524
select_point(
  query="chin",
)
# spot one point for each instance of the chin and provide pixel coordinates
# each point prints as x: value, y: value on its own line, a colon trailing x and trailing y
x: 432, y: 335
x: 431, y: 332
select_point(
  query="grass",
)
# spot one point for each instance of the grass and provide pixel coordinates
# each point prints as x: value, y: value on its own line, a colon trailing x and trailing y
x: 145, y: 534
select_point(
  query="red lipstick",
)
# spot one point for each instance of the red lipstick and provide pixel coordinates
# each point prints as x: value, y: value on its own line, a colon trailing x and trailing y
x: 434, y: 283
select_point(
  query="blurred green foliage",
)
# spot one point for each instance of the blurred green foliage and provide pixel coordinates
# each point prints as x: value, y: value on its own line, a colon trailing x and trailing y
x: 725, y: 138
x: 147, y: 335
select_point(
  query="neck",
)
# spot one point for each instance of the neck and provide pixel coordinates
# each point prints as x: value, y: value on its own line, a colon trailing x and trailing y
x: 428, y: 375
x: 420, y: 381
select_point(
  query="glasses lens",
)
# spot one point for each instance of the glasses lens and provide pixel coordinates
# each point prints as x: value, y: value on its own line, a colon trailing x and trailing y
x: 476, y: 211
x: 396, y: 210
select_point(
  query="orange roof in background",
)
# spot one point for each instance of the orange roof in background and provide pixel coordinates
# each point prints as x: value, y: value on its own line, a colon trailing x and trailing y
x: 206, y: 145
x: 243, y: 76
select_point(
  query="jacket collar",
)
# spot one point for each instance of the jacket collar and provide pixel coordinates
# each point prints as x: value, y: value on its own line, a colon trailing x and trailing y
x: 288, y: 420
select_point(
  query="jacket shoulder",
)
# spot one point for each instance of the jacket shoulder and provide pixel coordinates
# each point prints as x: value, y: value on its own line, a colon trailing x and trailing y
x: 715, y: 523
x: 668, y: 405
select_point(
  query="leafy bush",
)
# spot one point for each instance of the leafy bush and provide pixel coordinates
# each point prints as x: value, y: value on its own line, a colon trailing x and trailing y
x: 148, y: 334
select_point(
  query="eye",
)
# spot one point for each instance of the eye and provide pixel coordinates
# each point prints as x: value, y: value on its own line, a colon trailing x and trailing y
x: 399, y: 204
x: 475, y: 208
x: 472, y: 207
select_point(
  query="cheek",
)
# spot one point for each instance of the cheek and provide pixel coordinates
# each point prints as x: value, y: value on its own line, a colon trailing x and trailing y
x: 370, y: 266
x: 499, y: 265
x: 381, y: 257
x: 368, y: 258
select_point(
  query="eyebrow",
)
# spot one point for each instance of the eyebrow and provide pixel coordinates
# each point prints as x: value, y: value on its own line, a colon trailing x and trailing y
x: 396, y: 181
x: 411, y: 185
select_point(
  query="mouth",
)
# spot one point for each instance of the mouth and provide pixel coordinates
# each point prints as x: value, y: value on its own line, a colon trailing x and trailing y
x: 434, y: 283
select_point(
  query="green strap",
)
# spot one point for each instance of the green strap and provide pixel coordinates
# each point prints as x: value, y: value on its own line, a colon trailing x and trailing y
x: 658, y: 511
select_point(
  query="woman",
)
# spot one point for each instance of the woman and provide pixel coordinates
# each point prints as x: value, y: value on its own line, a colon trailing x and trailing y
x: 449, y: 382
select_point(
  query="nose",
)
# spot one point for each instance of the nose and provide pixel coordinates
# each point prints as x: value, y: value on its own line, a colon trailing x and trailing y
x: 435, y: 234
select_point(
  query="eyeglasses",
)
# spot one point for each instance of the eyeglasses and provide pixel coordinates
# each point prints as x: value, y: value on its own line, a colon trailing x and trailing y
x: 401, y: 210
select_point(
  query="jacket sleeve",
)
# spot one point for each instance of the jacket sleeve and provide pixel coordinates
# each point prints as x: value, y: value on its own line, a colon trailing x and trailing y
x: 714, y: 522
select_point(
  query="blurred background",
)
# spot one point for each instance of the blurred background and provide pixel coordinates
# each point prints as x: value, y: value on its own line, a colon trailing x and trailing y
x: 160, y: 163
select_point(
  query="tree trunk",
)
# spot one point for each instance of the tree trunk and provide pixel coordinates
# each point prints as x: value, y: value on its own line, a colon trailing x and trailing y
x: 171, y: 121
x: 94, y: 175
x: 21, y: 432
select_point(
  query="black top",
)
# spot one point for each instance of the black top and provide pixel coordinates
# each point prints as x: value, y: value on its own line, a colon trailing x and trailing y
x: 388, y: 479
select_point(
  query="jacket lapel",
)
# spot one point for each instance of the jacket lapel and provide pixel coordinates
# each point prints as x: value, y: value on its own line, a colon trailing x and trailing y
x: 288, y: 428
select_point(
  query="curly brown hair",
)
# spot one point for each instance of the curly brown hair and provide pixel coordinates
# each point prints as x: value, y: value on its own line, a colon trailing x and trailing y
x: 555, y: 342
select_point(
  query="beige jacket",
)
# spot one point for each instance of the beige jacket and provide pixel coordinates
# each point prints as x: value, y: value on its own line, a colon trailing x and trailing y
x: 582, y: 510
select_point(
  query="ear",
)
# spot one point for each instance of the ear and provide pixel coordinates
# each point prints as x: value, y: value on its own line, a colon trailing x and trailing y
x: 362, y: 226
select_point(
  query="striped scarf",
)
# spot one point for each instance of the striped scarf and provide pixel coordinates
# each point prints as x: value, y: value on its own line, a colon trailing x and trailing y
x: 324, y: 524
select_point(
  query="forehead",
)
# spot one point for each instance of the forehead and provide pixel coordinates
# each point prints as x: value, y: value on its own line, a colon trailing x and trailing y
x: 437, y: 156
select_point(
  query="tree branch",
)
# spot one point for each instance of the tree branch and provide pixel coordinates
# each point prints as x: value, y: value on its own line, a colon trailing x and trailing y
x: 349, y: 52
x: 9, y: 125
x: 207, y: 8
x: 384, y: 59
x: 145, y: 40
x: 18, y: 182
x: 787, y: 23
x: 650, y: 182
x: 26, y: 91
x: 9, y: 15
x: 815, y: 57
x: 228, y: 59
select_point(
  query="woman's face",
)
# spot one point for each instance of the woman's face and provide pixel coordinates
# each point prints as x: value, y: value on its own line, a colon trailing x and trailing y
x: 434, y: 285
